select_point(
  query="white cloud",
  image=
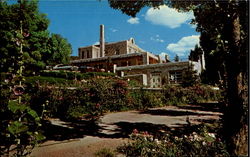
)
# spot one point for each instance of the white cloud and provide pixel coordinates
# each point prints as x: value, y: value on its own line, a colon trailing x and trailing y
x: 157, y: 39
x: 162, y: 55
x: 97, y: 43
x: 167, y: 16
x: 133, y: 20
x: 184, y: 45
x: 113, y: 30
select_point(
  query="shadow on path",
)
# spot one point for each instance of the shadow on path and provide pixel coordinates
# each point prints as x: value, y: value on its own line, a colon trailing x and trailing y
x: 209, y: 107
x: 164, y: 112
x: 72, y: 130
x: 122, y: 129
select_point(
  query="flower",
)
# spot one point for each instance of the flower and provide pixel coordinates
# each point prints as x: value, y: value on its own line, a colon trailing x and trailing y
x: 211, y: 135
x: 97, y: 105
x: 145, y: 133
x: 204, y: 143
x: 157, y: 141
x: 135, y: 131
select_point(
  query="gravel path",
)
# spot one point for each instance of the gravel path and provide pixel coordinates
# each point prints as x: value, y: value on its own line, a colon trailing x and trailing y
x: 114, y: 128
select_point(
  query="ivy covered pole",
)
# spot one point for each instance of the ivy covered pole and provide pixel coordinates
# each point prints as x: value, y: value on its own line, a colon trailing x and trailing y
x: 20, y: 62
x: 19, y: 89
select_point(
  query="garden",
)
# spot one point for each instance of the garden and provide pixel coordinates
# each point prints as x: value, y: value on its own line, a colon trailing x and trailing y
x: 88, y: 101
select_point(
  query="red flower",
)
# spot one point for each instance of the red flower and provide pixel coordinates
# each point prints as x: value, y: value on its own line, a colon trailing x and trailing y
x: 135, y: 131
x: 97, y: 105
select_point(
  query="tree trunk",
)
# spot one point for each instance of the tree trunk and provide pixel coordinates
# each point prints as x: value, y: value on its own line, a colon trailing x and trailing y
x: 235, y: 116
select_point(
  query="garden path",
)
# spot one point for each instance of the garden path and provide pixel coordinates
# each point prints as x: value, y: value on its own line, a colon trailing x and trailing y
x: 82, y: 139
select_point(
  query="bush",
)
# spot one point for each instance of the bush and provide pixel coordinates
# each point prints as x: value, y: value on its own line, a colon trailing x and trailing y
x: 174, y: 95
x: 142, y: 99
x: 91, y: 99
x: 47, y: 80
x: 194, y: 144
x: 20, y: 125
x: 98, y: 96
x: 75, y: 75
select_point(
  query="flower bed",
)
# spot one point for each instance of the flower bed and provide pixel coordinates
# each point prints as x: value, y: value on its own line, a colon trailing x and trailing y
x: 143, y: 144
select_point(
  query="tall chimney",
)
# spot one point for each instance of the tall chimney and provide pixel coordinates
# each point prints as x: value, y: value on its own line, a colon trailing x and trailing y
x: 102, y: 41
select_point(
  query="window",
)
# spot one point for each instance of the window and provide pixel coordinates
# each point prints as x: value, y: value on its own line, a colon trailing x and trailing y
x: 87, y: 53
x: 175, y: 76
x: 84, y: 54
x: 117, y: 52
x: 124, y: 64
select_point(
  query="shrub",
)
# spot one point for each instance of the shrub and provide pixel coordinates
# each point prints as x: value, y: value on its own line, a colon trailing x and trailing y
x: 174, y: 95
x: 47, y: 80
x: 91, y: 99
x: 142, y: 99
x: 75, y: 75
x: 20, y: 125
x: 105, y: 152
x: 194, y: 144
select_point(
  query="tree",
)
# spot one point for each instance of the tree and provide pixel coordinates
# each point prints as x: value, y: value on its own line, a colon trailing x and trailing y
x: 34, y: 35
x: 39, y: 48
x: 176, y: 58
x: 60, y: 50
x: 195, y: 54
x: 20, y: 124
x: 190, y: 77
x: 225, y: 25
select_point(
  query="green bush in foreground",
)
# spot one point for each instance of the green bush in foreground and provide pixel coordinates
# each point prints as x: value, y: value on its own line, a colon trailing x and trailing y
x: 20, y: 125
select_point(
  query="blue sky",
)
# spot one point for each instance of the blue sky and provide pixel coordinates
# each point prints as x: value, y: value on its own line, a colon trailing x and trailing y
x: 159, y: 31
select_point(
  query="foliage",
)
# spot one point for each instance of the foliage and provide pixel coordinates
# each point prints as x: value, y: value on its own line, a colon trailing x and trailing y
x: 94, y: 97
x: 223, y: 27
x: 190, y: 78
x: 202, y: 143
x: 47, y: 80
x: 75, y: 75
x: 23, y: 24
x: 60, y: 50
x: 174, y: 95
x: 142, y: 99
x: 176, y: 58
x: 105, y: 152
x: 97, y: 96
x: 33, y: 35
x: 195, y: 54
x: 20, y: 128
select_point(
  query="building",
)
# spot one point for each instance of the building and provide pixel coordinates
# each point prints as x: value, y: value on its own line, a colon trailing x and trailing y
x: 128, y: 60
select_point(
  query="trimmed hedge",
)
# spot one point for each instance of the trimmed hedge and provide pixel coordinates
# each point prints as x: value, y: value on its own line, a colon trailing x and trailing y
x: 75, y: 75
x: 47, y: 80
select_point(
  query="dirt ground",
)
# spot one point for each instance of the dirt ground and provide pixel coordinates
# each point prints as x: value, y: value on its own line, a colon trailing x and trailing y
x: 66, y: 139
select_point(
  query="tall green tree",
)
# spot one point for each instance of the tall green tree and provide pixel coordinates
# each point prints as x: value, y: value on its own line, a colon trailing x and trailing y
x: 176, y: 58
x: 60, y: 50
x: 195, y: 54
x: 225, y: 25
x: 34, y: 36
x: 38, y: 46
